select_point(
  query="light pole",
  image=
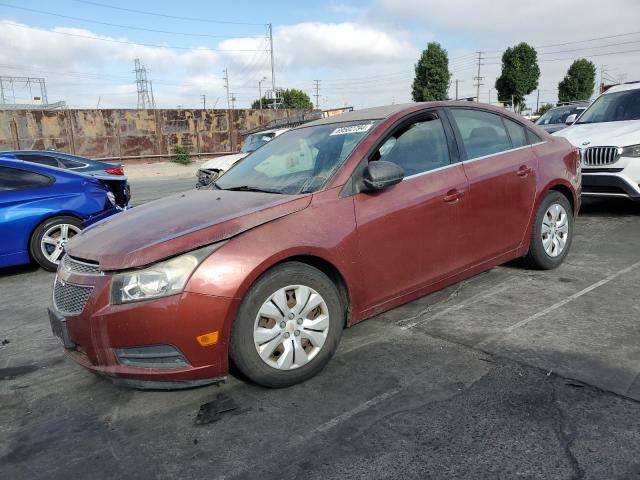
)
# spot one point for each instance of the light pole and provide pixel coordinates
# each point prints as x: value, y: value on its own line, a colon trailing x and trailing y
x: 260, y: 90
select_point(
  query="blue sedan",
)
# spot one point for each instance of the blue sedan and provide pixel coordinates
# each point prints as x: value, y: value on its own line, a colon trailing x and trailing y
x: 42, y: 207
x: 63, y: 160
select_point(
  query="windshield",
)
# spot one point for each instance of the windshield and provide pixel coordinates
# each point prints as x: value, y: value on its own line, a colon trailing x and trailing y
x: 253, y: 142
x: 299, y: 161
x: 613, y: 107
x: 559, y: 115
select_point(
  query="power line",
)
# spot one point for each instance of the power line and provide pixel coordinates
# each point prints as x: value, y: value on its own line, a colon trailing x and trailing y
x: 130, y: 27
x: 123, y: 42
x: 163, y: 15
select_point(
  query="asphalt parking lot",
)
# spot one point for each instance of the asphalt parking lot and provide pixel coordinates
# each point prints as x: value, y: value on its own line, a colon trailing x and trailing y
x: 512, y: 373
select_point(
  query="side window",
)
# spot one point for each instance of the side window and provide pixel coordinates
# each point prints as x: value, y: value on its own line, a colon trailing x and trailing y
x: 418, y: 147
x: 517, y: 133
x: 533, y: 138
x: 41, y: 159
x: 17, y: 179
x: 482, y: 133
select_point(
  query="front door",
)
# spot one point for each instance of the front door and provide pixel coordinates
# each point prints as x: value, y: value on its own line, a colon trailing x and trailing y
x: 409, y: 234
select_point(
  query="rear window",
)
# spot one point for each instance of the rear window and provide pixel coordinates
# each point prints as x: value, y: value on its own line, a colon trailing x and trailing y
x: 41, y: 159
x: 71, y: 163
x: 18, y: 179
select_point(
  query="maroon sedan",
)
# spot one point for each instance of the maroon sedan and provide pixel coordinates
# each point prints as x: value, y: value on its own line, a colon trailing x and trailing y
x: 327, y: 225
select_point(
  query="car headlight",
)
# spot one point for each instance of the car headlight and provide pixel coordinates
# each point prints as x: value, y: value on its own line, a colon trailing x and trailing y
x: 630, y: 151
x: 159, y: 280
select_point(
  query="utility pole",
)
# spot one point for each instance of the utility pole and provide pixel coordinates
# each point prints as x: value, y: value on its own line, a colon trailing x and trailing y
x: 478, y: 78
x: 153, y: 100
x: 226, y: 86
x: 538, y: 101
x: 233, y: 101
x: 260, y: 90
x: 273, y: 69
x: 203, y: 97
x: 457, y: 82
x: 317, y: 95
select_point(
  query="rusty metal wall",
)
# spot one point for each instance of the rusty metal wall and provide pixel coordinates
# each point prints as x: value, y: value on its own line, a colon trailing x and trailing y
x: 130, y: 133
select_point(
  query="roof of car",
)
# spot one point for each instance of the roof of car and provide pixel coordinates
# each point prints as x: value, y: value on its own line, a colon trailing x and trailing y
x: 623, y: 87
x: 375, y: 113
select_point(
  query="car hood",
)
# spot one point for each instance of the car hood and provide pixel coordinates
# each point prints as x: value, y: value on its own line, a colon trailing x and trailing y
x: 615, y: 134
x: 177, y: 224
x: 222, y: 163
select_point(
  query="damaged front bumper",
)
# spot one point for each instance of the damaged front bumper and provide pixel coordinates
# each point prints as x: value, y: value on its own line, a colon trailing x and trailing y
x: 148, y: 345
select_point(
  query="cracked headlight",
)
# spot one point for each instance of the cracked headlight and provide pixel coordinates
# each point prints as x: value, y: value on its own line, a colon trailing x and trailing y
x: 630, y: 151
x: 160, y: 279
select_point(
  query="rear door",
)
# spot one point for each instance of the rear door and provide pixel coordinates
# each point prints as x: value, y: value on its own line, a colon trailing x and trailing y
x: 501, y: 168
x: 409, y: 235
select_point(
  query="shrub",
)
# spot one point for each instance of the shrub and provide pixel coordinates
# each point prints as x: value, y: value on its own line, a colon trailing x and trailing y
x: 181, y: 155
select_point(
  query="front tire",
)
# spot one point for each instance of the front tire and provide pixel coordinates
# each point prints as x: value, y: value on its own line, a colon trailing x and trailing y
x: 552, y: 232
x: 288, y: 326
x: 49, y: 239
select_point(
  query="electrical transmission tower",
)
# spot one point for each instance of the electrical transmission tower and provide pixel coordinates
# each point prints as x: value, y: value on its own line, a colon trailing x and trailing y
x: 317, y: 95
x: 478, y: 78
x: 18, y: 92
x: 226, y: 86
x: 145, y: 93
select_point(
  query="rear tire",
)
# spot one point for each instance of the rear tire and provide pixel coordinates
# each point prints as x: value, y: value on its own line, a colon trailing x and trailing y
x: 49, y: 239
x: 288, y: 326
x: 552, y: 232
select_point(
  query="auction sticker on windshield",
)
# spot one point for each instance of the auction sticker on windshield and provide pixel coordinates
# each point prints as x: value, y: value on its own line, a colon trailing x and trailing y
x: 352, y: 129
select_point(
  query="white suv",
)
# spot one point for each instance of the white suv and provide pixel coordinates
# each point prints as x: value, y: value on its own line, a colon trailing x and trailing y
x: 608, y: 136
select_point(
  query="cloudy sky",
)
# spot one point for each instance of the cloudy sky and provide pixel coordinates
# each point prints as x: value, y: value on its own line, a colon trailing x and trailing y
x: 363, y: 52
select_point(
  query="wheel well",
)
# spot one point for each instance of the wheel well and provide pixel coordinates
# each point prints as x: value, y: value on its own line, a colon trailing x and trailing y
x: 566, y: 191
x: 330, y: 271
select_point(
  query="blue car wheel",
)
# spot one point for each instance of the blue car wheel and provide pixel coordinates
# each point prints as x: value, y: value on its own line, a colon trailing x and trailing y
x: 49, y: 239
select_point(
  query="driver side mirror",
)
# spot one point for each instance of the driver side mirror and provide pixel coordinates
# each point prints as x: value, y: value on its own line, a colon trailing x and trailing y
x: 570, y: 119
x: 380, y: 174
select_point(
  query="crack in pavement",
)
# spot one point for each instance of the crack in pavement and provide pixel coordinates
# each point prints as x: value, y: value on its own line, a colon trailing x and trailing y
x: 565, y: 438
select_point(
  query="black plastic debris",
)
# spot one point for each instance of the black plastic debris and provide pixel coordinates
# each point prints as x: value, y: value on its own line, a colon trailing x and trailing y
x: 6, y: 341
x: 212, y: 411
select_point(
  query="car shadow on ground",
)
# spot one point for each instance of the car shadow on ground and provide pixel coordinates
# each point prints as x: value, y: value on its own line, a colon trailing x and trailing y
x: 19, y: 270
x: 609, y: 207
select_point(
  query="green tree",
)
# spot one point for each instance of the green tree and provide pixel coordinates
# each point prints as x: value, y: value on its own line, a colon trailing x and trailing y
x: 432, y: 75
x: 544, y: 108
x: 579, y: 82
x: 291, y: 98
x: 520, y: 74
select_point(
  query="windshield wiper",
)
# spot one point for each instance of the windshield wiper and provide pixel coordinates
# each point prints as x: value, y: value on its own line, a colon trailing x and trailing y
x: 247, y: 188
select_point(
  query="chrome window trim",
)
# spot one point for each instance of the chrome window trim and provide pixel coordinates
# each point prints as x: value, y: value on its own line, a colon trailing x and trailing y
x: 500, y: 153
x: 431, y: 171
x: 469, y: 161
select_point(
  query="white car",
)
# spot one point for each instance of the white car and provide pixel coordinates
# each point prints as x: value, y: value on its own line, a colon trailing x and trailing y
x: 608, y: 136
x: 211, y: 170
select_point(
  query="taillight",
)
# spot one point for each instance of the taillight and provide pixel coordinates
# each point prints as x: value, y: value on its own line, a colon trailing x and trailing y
x: 115, y: 171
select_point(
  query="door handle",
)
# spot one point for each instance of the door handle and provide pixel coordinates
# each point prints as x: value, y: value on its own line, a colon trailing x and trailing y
x: 523, y: 171
x: 453, y: 195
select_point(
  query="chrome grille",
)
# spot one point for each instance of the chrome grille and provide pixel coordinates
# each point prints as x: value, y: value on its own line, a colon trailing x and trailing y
x: 69, y: 298
x: 72, y: 265
x: 598, y: 156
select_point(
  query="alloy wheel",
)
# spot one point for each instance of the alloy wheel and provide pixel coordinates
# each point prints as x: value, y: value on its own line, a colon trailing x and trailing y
x: 555, y: 230
x: 54, y: 240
